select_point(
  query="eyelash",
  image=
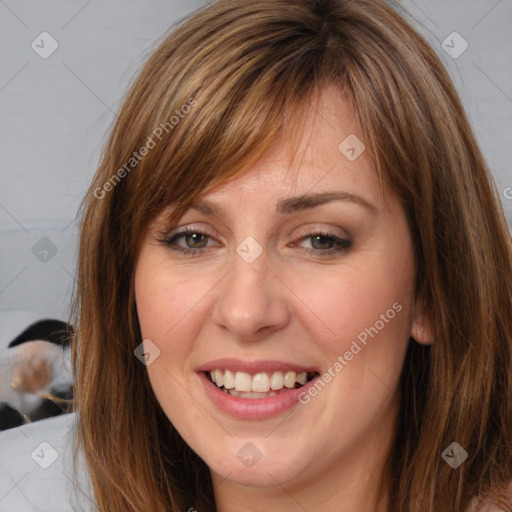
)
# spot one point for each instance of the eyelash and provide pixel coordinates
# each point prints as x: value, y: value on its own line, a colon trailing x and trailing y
x: 343, y: 244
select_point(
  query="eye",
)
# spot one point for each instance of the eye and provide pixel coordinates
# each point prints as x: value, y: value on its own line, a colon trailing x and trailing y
x: 196, y: 240
x: 324, y: 243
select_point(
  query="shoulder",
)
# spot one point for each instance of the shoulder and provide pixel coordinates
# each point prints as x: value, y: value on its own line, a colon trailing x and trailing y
x: 477, y: 505
x: 36, y: 468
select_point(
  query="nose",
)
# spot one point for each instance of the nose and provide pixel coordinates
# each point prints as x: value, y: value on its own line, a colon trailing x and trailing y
x: 252, y: 300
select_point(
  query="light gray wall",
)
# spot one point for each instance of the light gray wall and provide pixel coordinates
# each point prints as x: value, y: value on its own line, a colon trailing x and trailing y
x: 55, y: 113
x: 482, y: 73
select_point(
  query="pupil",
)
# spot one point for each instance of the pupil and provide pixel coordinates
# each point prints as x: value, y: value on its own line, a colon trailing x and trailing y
x: 321, y: 237
x: 195, y: 235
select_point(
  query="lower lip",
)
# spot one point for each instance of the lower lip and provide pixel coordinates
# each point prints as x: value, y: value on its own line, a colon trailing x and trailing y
x: 253, y: 408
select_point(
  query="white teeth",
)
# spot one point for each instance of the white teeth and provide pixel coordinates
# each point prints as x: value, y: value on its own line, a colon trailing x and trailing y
x: 218, y: 378
x: 277, y: 380
x: 242, y: 382
x: 261, y: 383
x: 289, y: 379
x: 229, y: 379
x: 301, y: 378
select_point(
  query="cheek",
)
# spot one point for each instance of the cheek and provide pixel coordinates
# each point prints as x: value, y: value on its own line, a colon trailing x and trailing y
x: 161, y: 303
x: 362, y: 313
x: 171, y: 314
x: 362, y: 322
x: 352, y: 300
x: 164, y: 301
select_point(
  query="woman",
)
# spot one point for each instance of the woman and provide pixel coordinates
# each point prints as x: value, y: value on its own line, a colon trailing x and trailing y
x: 294, y: 285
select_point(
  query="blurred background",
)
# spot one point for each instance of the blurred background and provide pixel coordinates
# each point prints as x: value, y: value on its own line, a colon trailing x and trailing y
x: 65, y: 66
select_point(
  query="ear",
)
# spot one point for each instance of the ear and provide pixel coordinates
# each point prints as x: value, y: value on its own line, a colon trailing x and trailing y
x: 422, y: 329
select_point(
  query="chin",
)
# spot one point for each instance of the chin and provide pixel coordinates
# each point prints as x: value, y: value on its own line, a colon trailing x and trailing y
x: 269, y: 473
x: 258, y: 463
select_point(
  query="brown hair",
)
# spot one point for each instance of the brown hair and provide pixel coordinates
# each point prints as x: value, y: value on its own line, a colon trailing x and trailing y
x: 243, y: 68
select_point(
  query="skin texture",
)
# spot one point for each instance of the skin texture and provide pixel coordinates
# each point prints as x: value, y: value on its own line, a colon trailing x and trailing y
x: 291, y: 304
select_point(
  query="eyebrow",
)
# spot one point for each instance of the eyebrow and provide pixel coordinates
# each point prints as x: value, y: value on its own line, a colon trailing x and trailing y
x: 300, y: 203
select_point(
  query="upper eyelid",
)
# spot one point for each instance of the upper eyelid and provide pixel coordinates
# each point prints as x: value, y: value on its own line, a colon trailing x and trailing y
x: 302, y: 233
x: 342, y: 244
x: 194, y: 228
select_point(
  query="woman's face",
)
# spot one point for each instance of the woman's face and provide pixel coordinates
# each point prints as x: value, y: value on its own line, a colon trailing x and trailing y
x: 302, y: 267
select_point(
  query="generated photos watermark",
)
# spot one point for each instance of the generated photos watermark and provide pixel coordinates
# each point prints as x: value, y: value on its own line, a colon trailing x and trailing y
x: 355, y: 347
x: 138, y: 156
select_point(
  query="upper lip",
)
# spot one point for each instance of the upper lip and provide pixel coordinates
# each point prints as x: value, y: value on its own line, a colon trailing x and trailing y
x: 267, y: 365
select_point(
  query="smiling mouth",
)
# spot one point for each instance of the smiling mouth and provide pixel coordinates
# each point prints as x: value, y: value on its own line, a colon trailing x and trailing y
x: 258, y: 385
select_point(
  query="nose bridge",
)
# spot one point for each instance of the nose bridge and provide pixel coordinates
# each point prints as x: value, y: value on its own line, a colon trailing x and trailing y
x: 250, y: 300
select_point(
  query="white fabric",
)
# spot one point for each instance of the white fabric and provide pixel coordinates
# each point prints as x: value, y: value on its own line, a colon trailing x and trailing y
x: 36, y: 469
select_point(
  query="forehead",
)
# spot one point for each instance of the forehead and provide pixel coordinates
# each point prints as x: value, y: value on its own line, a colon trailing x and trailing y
x: 311, y: 156
x: 320, y: 150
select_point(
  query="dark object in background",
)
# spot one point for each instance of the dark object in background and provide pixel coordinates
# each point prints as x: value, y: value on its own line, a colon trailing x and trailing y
x: 55, y: 331
x: 34, y: 374
x: 50, y: 407
x: 10, y: 417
